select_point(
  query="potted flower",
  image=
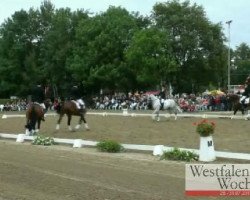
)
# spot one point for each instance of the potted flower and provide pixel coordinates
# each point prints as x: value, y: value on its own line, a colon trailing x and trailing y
x: 205, y: 129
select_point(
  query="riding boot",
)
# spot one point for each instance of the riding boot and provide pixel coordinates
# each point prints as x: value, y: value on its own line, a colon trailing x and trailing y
x: 81, y: 109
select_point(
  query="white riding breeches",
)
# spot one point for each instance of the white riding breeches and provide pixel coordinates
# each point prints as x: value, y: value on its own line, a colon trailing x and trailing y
x: 79, y: 103
x: 244, y: 98
x: 41, y: 104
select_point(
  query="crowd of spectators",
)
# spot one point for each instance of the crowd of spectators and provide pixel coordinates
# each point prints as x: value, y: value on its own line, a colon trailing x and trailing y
x: 138, y: 101
x: 14, y: 105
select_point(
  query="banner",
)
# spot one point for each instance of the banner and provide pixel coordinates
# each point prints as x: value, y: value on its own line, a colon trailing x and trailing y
x: 217, y: 180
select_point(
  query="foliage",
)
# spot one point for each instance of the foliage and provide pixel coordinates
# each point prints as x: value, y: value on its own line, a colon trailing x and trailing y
x: 177, y: 154
x: 205, y: 128
x: 109, y: 146
x: 197, y: 44
x: 150, y: 57
x: 43, y: 140
x: 4, y: 101
x: 240, y: 64
x: 115, y: 50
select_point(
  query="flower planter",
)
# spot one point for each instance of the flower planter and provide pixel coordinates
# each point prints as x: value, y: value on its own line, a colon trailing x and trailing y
x: 207, y: 153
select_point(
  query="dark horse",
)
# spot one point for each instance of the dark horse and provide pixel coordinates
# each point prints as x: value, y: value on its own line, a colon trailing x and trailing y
x: 34, y: 115
x: 69, y: 108
x: 234, y: 99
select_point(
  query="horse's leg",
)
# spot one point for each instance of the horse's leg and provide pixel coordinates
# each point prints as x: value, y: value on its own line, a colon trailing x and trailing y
x: 33, y: 126
x: 27, y: 126
x: 38, y: 126
x: 85, y: 122
x: 79, y: 122
x: 235, y: 111
x: 175, y: 114
x: 154, y: 114
x: 248, y: 115
x: 69, y: 120
x: 59, y: 121
x: 157, y: 114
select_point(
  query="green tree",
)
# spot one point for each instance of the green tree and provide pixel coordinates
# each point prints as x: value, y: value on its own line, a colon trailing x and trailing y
x: 98, y: 58
x: 18, y: 56
x: 197, y: 44
x: 56, y: 47
x: 241, y: 64
x: 150, y: 57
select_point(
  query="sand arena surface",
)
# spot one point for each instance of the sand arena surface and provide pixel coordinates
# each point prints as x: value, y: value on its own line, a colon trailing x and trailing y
x: 230, y: 135
x: 61, y: 172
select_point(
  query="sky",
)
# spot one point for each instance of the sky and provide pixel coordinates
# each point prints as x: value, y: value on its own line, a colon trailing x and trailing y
x: 217, y: 11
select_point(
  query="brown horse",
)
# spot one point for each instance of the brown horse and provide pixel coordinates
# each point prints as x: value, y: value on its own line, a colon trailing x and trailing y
x: 69, y: 108
x: 234, y: 99
x: 34, y: 115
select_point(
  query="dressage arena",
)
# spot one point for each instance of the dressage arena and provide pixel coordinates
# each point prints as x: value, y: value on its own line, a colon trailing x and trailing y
x: 63, y: 172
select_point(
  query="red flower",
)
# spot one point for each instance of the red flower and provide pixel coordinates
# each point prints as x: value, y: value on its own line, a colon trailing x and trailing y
x: 205, y: 127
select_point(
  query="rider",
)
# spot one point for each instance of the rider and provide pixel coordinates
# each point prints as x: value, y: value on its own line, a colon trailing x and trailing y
x: 246, y: 93
x: 38, y: 97
x: 76, y: 97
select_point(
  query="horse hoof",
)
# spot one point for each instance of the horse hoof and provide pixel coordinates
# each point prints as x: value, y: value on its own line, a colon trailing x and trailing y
x: 77, y: 126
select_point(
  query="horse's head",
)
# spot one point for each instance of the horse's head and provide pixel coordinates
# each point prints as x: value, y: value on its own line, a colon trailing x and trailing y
x: 48, y: 103
x: 58, y: 107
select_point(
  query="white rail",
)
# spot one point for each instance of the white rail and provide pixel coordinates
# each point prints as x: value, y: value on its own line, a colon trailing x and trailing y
x: 150, y: 148
x: 133, y: 114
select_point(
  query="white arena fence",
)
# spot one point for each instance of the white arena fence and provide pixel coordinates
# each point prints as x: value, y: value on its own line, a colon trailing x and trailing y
x: 148, y: 148
x: 226, y: 115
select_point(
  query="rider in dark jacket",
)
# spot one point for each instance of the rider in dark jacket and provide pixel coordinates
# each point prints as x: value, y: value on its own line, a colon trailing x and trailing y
x: 38, y: 97
x: 76, y: 96
x: 246, y: 93
x: 38, y: 94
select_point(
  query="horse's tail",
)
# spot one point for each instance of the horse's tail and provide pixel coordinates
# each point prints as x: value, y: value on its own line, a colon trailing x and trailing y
x: 178, y: 108
x: 33, y: 116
